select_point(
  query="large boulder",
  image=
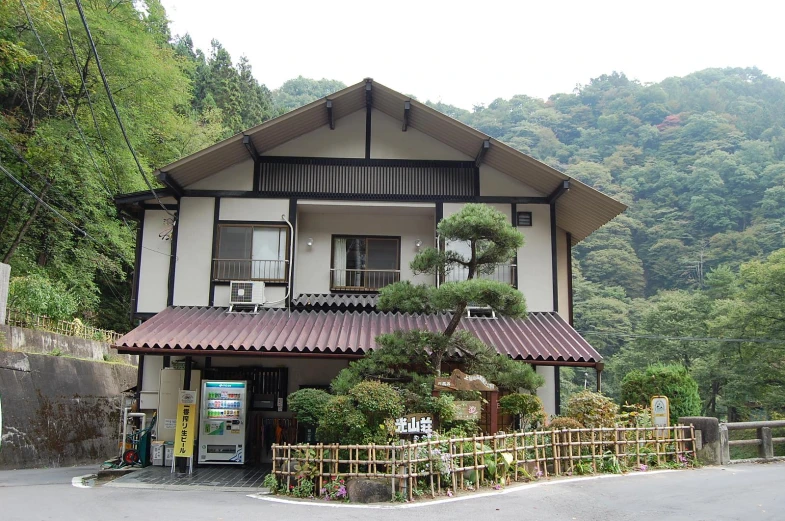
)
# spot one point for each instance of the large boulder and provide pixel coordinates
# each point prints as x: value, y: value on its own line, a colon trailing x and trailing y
x: 368, y: 490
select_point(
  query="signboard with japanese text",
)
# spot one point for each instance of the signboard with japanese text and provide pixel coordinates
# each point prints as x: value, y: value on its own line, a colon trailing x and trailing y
x: 414, y: 424
x: 185, y: 427
x: 467, y: 410
x: 460, y: 381
x: 660, y: 414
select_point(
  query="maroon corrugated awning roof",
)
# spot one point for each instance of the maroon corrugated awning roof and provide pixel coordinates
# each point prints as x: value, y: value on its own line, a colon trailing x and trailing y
x: 538, y: 338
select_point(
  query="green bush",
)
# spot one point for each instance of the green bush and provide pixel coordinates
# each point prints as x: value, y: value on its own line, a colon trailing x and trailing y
x: 564, y: 422
x: 366, y: 415
x: 673, y: 381
x: 377, y: 401
x: 342, y: 422
x: 527, y: 408
x: 592, y: 409
x: 309, y: 405
x: 40, y: 295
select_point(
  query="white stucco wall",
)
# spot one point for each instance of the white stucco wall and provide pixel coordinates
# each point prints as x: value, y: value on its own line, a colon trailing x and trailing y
x: 239, y: 209
x: 194, y: 251
x: 562, y: 258
x: 494, y: 182
x: 312, y: 264
x: 534, y: 259
x: 154, y: 264
x: 236, y: 177
x: 388, y: 141
x: 347, y: 140
x: 547, y: 393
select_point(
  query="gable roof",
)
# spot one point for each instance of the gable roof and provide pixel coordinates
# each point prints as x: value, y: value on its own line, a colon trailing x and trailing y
x: 580, y: 211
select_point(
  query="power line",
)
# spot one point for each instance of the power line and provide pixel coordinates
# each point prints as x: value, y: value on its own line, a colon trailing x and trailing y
x: 87, y: 95
x: 114, y: 107
x: 65, y: 98
x: 685, y: 338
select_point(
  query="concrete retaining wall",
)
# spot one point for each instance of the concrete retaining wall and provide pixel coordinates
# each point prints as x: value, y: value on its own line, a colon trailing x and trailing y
x: 59, y: 411
x: 43, y: 342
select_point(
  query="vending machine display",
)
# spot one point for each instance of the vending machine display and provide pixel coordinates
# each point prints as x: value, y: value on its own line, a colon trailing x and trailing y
x: 222, y: 422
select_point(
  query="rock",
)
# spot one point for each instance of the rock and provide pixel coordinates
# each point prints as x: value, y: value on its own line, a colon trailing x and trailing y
x: 368, y: 490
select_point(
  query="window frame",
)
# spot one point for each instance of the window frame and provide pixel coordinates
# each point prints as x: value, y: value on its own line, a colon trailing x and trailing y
x: 365, y: 237
x: 252, y: 225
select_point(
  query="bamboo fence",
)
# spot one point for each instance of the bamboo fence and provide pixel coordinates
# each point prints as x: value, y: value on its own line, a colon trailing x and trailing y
x: 74, y: 328
x: 460, y: 463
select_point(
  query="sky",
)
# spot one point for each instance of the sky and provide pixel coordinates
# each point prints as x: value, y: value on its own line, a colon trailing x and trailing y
x: 470, y: 53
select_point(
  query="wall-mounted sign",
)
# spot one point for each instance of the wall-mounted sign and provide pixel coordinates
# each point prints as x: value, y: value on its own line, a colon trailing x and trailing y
x: 414, y: 424
x: 660, y: 414
x: 467, y: 410
x: 460, y: 381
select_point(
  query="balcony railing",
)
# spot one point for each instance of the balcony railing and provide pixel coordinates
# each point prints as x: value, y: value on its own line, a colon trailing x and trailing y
x: 246, y: 269
x: 362, y: 280
x: 501, y: 273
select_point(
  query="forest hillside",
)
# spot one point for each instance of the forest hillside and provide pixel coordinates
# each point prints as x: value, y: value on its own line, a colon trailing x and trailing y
x: 692, y: 273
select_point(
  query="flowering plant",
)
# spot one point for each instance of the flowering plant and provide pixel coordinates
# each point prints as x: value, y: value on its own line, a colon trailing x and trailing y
x: 335, y: 489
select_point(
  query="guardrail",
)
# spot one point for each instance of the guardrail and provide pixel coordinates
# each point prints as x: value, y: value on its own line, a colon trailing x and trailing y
x: 74, y: 327
x: 362, y: 280
x: 247, y: 269
x: 501, y: 273
x: 764, y: 441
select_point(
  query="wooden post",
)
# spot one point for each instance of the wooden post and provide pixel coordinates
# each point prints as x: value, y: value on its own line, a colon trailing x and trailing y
x: 431, y: 466
x: 393, y: 473
x: 637, y: 446
x: 288, y: 467
x: 453, y: 466
x: 515, y: 455
x: 493, y: 407
x: 409, y: 472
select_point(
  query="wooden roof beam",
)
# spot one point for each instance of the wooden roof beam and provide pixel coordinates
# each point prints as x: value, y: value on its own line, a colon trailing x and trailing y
x: 407, y: 107
x: 169, y: 181
x: 563, y: 188
x: 486, y: 144
x: 330, y: 115
x: 248, y: 143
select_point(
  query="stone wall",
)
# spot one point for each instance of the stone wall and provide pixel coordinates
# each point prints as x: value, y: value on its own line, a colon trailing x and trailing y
x: 44, y: 342
x: 59, y: 411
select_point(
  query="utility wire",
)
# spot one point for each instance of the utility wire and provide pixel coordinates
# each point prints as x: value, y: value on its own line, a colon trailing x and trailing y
x: 685, y: 338
x: 114, y: 107
x: 87, y: 96
x: 65, y: 98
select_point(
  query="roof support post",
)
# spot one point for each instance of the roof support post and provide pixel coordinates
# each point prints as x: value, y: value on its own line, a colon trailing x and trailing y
x: 368, y: 106
x: 562, y: 189
x: 330, y: 115
x: 166, y: 179
x: 407, y: 107
x: 486, y: 144
x: 251, y: 148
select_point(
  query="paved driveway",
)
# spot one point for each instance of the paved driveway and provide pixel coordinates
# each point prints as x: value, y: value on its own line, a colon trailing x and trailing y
x: 737, y: 492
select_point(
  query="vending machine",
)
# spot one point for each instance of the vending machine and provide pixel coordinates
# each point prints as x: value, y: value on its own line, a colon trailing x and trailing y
x: 222, y: 422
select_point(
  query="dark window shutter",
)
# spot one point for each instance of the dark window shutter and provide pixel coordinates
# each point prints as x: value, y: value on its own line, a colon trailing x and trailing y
x: 524, y: 218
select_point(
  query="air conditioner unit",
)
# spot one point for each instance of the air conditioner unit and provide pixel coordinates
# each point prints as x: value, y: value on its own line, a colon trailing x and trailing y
x: 246, y: 294
x: 475, y: 311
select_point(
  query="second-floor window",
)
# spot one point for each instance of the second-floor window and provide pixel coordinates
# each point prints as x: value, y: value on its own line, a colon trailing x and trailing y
x: 251, y: 252
x: 364, y: 263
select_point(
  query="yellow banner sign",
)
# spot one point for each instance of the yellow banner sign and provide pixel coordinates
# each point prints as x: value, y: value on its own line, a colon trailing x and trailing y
x: 186, y: 421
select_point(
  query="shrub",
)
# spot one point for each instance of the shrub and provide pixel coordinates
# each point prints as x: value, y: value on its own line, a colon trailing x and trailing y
x: 309, y: 405
x: 673, y: 381
x: 366, y: 415
x: 526, y: 407
x: 342, y: 422
x: 564, y: 422
x: 39, y: 295
x: 377, y: 401
x: 592, y: 409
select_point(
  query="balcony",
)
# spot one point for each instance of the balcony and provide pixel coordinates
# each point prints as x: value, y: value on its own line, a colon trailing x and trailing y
x: 247, y: 269
x: 362, y: 280
x: 501, y: 273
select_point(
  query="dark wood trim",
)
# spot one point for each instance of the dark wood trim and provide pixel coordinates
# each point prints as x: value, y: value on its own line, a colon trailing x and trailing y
x: 292, y: 237
x: 187, y: 373
x: 477, y: 182
x: 569, y: 278
x: 248, y: 143
x: 173, y: 185
x: 330, y: 115
x: 557, y: 390
x: 151, y: 206
x: 216, y: 218
x: 438, y: 217
x: 139, y: 379
x: 167, y: 359
x: 399, y: 198
x: 144, y: 195
x: 486, y: 144
x: 368, y: 110
x: 407, y: 108
x: 554, y: 264
x: 514, y: 222
x: 360, y: 161
x: 173, y: 258
x: 267, y: 284
x: 563, y: 188
x: 270, y: 224
x: 137, y: 265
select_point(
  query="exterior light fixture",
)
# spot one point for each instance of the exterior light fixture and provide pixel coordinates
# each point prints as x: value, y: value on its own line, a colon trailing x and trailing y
x: 309, y: 242
x: 418, y: 244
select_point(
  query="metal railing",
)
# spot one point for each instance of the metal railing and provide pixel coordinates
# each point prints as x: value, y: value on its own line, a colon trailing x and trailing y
x: 247, y: 269
x: 362, y: 280
x: 74, y: 327
x: 501, y: 273
x: 764, y: 439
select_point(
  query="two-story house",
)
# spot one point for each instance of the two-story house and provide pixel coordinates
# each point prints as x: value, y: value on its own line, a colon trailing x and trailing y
x: 324, y: 206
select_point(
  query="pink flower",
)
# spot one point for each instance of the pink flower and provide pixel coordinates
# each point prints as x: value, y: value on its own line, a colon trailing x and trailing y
x: 643, y: 468
x: 449, y: 493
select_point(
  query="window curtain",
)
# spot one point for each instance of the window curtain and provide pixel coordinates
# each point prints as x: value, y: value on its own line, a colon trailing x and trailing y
x: 269, y: 254
x: 339, y: 262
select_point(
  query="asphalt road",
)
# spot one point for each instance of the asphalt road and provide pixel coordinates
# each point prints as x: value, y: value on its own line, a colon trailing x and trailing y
x: 738, y: 492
